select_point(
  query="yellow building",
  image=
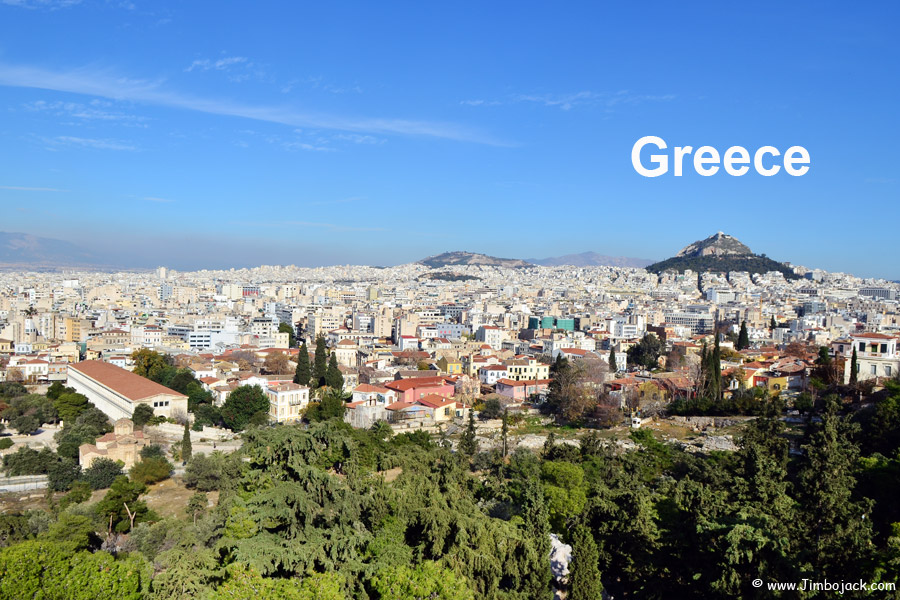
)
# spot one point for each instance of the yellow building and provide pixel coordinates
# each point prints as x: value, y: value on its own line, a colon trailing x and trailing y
x: 450, y: 367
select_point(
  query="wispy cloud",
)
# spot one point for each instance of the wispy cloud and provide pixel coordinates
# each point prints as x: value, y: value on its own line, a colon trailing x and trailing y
x: 95, y: 110
x: 569, y: 101
x: 103, y: 84
x: 221, y: 64
x: 319, y: 83
x: 159, y: 200
x: 19, y: 188
x: 97, y: 144
x: 358, y: 139
x: 237, y: 68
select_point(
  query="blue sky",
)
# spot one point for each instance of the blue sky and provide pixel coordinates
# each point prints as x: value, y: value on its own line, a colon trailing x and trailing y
x: 217, y: 134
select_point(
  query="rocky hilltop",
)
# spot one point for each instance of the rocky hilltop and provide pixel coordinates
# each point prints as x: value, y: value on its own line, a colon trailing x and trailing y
x: 719, y: 244
x: 722, y: 253
x: 471, y: 258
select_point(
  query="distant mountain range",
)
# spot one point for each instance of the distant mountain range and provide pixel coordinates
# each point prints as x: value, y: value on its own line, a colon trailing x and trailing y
x: 22, y: 250
x: 591, y: 259
x: 720, y: 252
x: 471, y: 258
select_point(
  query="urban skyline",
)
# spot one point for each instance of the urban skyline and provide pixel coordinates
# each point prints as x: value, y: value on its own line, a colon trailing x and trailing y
x: 356, y: 135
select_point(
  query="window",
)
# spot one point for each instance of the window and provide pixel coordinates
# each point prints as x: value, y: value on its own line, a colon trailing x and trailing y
x: 884, y: 348
x: 873, y: 369
x: 862, y: 346
x: 887, y: 370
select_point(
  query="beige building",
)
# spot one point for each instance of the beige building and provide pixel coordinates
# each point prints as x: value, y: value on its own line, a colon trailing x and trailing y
x: 117, y: 392
x: 122, y: 444
x: 287, y: 401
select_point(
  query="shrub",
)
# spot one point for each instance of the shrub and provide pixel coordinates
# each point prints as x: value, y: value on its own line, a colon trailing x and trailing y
x: 151, y: 470
x: 6, y: 443
x: 102, y: 473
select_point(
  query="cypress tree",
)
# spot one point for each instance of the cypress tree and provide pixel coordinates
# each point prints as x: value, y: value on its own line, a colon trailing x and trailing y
x: 537, y: 528
x: 772, y: 323
x: 186, y: 449
x: 468, y: 445
x: 716, y: 368
x: 320, y: 363
x: 854, y: 368
x: 743, y: 337
x: 302, y: 374
x: 584, y: 580
x: 333, y: 377
x: 613, y: 367
x: 504, y: 431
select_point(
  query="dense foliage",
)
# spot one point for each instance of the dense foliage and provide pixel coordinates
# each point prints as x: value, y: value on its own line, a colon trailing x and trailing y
x: 326, y: 511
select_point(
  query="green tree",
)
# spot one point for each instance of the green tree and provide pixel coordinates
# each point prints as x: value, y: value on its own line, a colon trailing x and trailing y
x: 121, y: 504
x: 186, y: 449
x: 246, y: 583
x: 26, y: 461
x: 504, y: 431
x: 62, y: 474
x: 150, y: 470
x: 468, y: 445
x: 837, y: 533
x: 76, y: 529
x: 613, y: 367
x: 46, y: 569
x: 333, y: 377
x: 331, y: 406
x: 302, y: 374
x: 320, y: 364
x: 196, y: 506
x: 242, y: 403
x: 25, y: 424
x: 102, y: 473
x: 288, y: 329
x: 772, y: 323
x: 646, y: 352
x: 69, y: 406
x: 584, y: 578
x: 153, y: 365
x: 854, y: 368
x: 743, y: 337
x: 492, y: 409
x: 143, y: 414
x: 564, y: 491
x: 426, y: 581
x: 216, y: 471
x: 536, y: 525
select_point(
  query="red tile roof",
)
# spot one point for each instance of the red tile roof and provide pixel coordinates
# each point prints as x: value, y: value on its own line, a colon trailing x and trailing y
x: 134, y: 387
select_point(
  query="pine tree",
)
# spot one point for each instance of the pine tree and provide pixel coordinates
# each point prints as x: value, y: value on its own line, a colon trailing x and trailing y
x: 854, y: 368
x: 584, y: 578
x: 320, y: 364
x: 186, y: 449
x: 302, y: 374
x: 613, y: 367
x: 333, y: 377
x: 468, y: 445
x: 743, y: 337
